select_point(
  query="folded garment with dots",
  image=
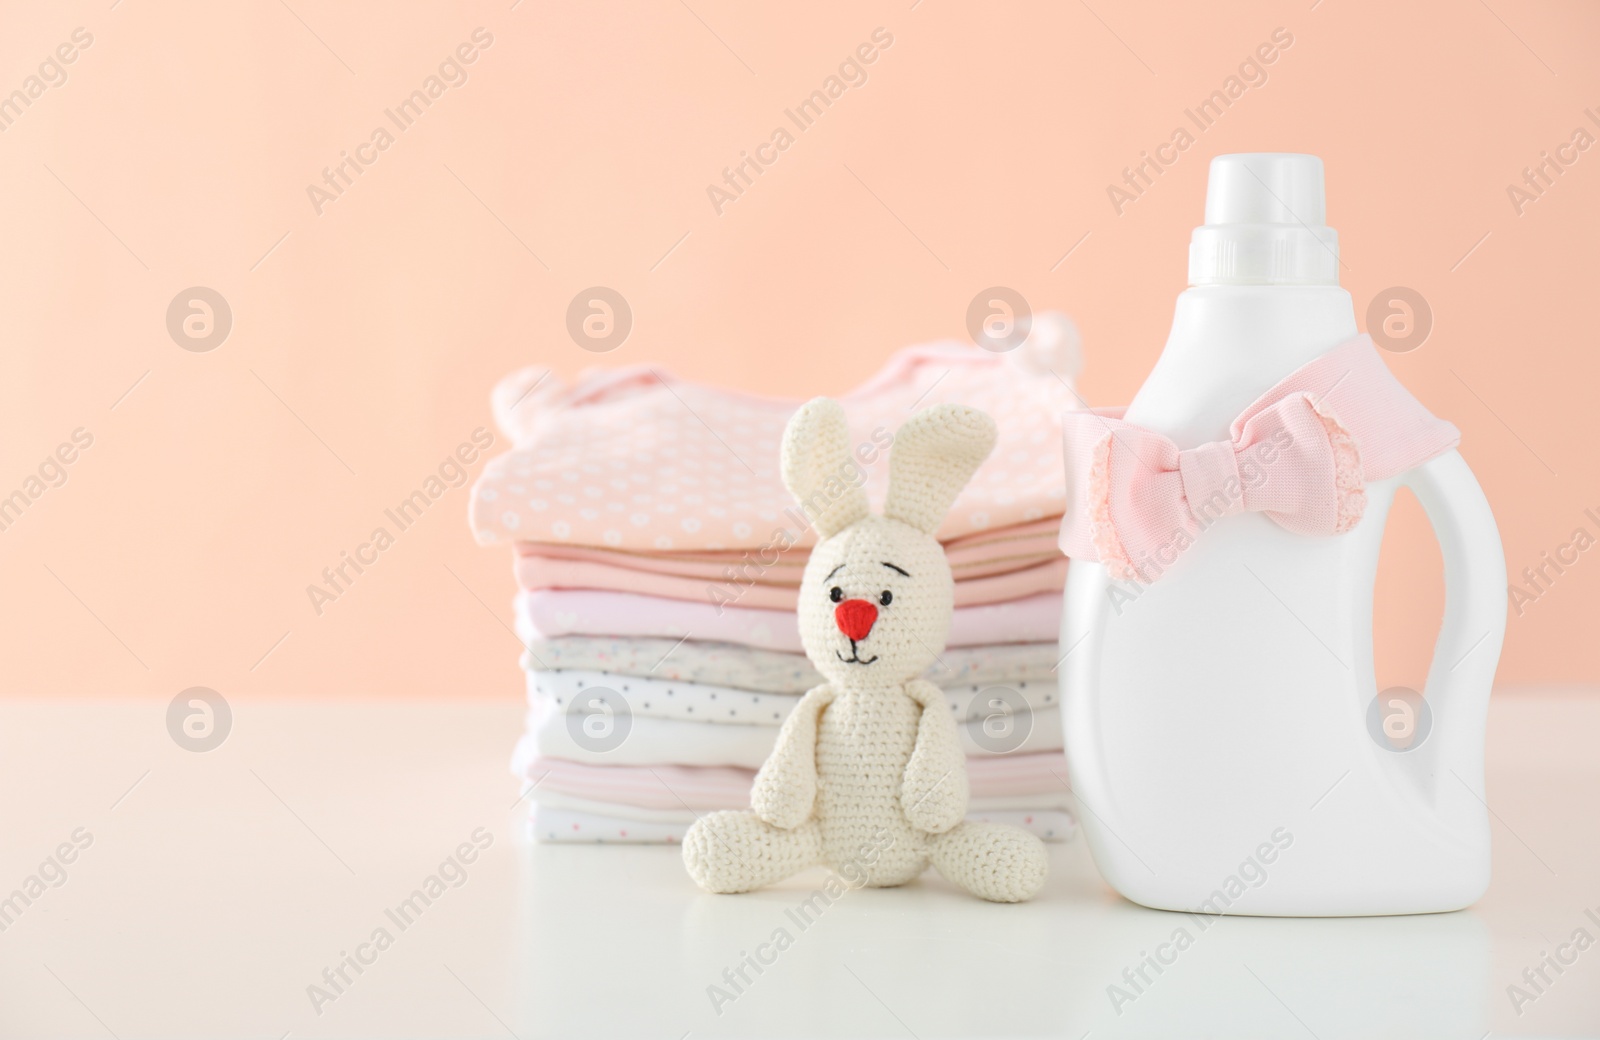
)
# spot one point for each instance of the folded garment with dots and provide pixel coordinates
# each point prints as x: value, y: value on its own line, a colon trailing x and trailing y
x: 548, y: 613
x: 771, y: 671
x: 586, y: 692
x: 648, y: 741
x: 638, y: 459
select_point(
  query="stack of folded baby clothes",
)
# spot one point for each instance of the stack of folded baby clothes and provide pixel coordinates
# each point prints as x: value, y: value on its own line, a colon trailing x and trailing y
x: 659, y: 556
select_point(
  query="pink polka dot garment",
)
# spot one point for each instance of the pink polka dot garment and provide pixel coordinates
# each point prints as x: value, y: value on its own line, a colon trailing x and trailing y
x: 637, y: 459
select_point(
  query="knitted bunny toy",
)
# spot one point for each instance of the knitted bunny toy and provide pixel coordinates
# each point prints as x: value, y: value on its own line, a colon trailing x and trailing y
x: 868, y: 775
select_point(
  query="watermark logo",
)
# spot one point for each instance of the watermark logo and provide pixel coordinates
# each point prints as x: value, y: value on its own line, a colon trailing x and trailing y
x: 998, y: 319
x: 1540, y: 177
x: 450, y: 75
x: 1399, y: 719
x: 52, y: 873
x: 1537, y: 978
x: 451, y: 473
x: 850, y: 75
x: 1251, y: 74
x: 52, y: 72
x: 999, y: 720
x: 1254, y: 465
x: 452, y: 872
x: 599, y: 319
x: 599, y: 719
x: 199, y: 719
x: 854, y: 873
x: 1399, y: 319
x: 1251, y: 874
x: 199, y: 319
x: 1553, y: 563
x: 52, y: 473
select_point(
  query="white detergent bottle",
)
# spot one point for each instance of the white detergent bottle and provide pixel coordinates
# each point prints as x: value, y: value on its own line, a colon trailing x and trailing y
x: 1221, y: 727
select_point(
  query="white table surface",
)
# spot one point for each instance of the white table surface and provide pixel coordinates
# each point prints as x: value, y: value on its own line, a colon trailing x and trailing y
x: 219, y: 886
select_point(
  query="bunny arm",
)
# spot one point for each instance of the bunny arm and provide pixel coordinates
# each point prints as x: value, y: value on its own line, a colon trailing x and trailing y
x: 933, y: 793
x: 786, y: 787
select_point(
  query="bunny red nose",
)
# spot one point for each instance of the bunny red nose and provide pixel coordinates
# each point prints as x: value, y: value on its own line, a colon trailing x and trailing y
x: 855, y: 618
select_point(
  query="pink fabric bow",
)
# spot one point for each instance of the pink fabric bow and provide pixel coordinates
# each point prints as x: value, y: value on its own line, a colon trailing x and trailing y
x: 1302, y: 453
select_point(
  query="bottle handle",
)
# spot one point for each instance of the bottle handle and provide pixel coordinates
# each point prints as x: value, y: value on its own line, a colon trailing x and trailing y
x: 1468, y: 648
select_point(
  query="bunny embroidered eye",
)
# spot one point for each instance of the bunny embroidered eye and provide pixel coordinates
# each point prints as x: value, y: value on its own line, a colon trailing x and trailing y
x: 836, y: 594
x: 885, y: 597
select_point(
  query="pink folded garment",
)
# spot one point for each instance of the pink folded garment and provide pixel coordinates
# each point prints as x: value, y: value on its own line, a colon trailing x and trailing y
x: 992, y: 552
x: 541, y: 572
x: 636, y: 458
x: 548, y: 613
x: 732, y: 575
x: 727, y: 787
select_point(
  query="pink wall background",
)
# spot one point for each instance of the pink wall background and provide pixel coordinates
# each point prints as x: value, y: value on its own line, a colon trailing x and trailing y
x: 578, y: 152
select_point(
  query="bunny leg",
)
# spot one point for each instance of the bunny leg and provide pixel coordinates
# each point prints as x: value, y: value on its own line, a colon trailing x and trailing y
x: 991, y: 860
x: 738, y: 851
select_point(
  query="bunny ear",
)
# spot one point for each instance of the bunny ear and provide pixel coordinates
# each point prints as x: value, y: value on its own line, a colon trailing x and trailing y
x: 819, y: 469
x: 935, y: 453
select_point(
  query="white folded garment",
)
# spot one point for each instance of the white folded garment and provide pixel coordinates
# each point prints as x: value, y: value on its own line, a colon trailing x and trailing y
x: 612, y: 736
x: 770, y: 671
x: 699, y: 702
x: 569, y: 826
x: 548, y: 613
x: 1058, y: 800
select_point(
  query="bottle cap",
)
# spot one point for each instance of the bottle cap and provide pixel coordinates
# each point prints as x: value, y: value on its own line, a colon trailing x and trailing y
x: 1264, y: 224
